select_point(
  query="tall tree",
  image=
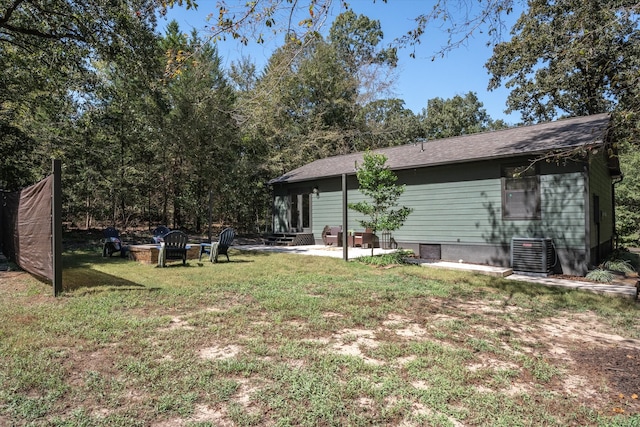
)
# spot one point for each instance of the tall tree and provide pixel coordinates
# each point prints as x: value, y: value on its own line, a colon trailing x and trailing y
x: 576, y: 58
x: 460, y: 115
x: 253, y: 161
x: 304, y: 105
x: 356, y: 40
x: 48, y: 53
x: 110, y: 163
x: 570, y: 57
x: 628, y: 197
x: 386, y: 122
x: 308, y: 101
x: 202, y: 146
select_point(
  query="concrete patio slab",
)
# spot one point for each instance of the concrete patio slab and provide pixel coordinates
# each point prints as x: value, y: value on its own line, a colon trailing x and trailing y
x: 317, y: 250
x: 472, y: 268
x: 600, y: 288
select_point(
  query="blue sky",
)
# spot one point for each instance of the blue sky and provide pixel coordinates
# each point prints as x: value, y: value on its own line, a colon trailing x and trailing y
x: 418, y: 79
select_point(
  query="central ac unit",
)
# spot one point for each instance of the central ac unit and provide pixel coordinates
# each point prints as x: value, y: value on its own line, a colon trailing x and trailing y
x: 532, y: 255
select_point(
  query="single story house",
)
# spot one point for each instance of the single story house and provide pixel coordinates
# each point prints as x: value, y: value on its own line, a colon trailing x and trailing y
x: 492, y: 198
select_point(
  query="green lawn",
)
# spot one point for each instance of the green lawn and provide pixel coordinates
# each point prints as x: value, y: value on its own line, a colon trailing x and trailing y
x: 278, y: 340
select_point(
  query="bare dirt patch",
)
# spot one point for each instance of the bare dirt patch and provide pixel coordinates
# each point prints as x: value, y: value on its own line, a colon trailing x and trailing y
x: 600, y: 369
x: 220, y: 352
x: 621, y: 368
x: 352, y: 342
x: 178, y: 323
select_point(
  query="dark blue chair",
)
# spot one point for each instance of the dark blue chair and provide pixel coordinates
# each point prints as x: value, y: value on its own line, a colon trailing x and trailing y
x: 111, y: 242
x: 220, y: 247
x: 173, y: 246
x: 159, y: 232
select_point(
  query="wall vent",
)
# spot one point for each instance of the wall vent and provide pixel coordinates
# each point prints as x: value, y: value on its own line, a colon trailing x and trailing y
x: 430, y: 251
x: 532, y: 255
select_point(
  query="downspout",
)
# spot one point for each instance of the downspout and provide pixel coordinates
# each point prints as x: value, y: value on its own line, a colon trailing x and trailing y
x: 345, y: 219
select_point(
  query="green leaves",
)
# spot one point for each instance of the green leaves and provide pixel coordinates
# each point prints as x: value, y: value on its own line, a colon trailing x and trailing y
x: 378, y: 183
x: 456, y: 116
x: 568, y: 56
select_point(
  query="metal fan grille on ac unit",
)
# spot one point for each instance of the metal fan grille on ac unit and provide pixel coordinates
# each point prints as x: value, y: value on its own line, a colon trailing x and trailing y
x: 531, y: 255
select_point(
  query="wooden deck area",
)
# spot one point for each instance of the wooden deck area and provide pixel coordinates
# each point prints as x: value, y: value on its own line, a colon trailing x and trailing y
x: 290, y: 239
x: 148, y: 254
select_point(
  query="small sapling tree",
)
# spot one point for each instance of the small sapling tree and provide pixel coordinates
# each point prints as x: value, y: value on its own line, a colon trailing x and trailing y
x: 378, y: 183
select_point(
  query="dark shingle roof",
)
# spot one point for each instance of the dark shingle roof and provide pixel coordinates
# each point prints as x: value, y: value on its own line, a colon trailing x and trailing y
x: 524, y: 140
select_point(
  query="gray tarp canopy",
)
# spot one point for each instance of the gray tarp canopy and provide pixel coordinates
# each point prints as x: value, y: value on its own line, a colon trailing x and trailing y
x: 26, y: 228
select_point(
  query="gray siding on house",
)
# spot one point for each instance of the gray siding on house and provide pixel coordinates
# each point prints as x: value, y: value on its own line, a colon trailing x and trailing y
x: 563, y: 209
x: 469, y: 211
x: 326, y: 210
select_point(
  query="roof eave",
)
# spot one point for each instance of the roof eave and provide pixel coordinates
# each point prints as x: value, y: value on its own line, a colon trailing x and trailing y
x: 419, y: 166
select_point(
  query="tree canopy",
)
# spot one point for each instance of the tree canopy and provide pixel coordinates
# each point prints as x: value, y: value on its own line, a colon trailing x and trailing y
x: 251, y: 21
x: 49, y: 53
x: 153, y: 129
x: 460, y: 115
x: 571, y: 57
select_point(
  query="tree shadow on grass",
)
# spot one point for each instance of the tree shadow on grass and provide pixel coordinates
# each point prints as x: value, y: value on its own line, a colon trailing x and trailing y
x: 87, y: 278
x: 78, y: 273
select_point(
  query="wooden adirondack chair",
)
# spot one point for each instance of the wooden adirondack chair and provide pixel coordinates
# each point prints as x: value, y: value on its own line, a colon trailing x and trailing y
x: 173, y: 247
x: 111, y: 242
x: 220, y: 247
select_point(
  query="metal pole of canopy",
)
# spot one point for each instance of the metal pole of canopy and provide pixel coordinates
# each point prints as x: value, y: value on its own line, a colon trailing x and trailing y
x: 56, y: 226
x: 345, y: 246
